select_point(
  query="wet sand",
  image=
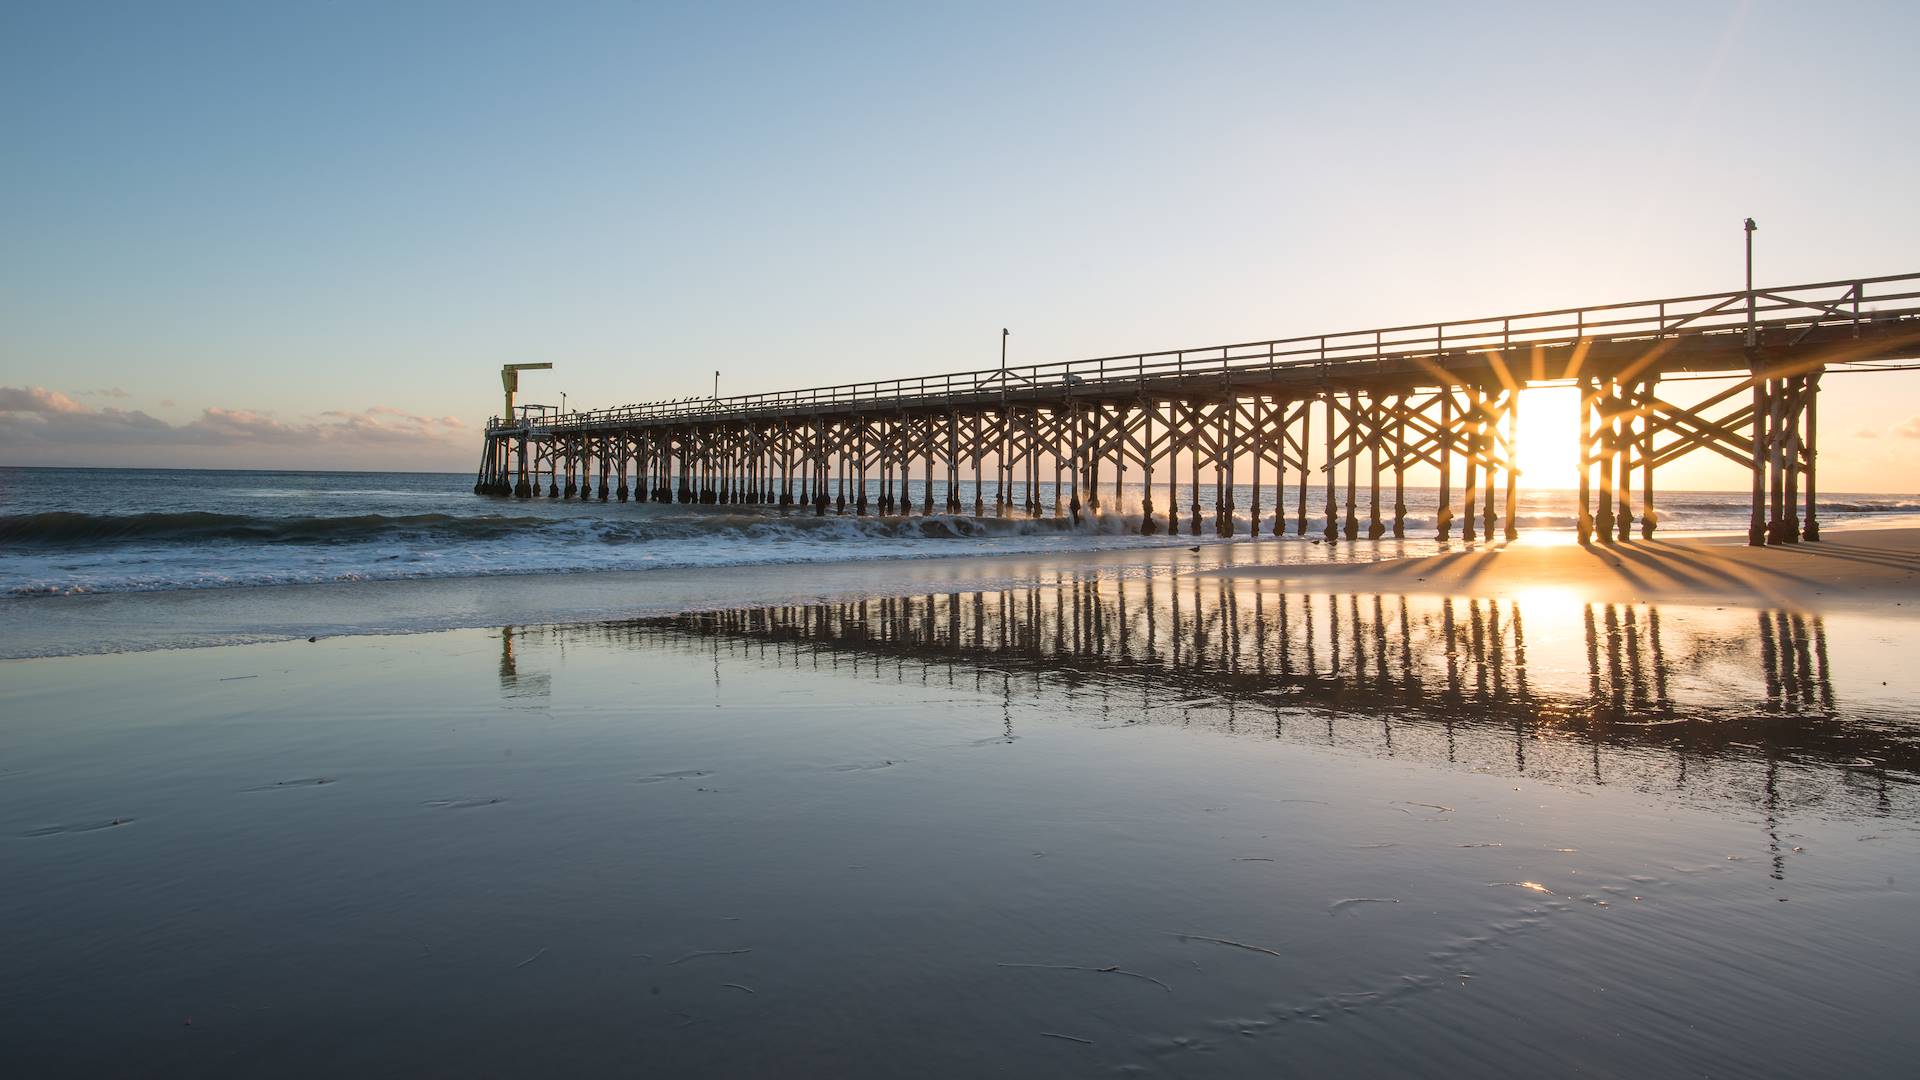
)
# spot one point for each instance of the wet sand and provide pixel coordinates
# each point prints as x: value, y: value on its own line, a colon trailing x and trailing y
x: 117, y: 622
x: 1142, y: 823
x: 1860, y: 567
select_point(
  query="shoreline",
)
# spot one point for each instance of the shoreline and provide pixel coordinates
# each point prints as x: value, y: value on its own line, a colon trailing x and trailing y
x: 1861, y: 566
x: 93, y: 623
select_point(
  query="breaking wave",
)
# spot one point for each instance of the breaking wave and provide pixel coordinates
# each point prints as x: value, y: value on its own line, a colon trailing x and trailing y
x: 67, y: 529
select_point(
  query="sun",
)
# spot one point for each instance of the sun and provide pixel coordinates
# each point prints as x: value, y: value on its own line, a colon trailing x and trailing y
x: 1548, y: 438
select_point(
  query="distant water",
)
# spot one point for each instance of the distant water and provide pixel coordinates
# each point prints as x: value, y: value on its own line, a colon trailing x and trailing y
x: 92, y: 530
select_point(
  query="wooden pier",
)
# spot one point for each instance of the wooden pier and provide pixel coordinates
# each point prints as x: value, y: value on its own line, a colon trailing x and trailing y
x: 1434, y: 400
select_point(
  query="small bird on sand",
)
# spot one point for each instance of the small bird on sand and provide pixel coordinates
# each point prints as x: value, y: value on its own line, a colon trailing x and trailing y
x: 1194, y: 548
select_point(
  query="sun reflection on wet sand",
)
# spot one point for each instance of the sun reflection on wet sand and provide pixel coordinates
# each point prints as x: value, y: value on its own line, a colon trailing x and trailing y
x: 1541, y: 684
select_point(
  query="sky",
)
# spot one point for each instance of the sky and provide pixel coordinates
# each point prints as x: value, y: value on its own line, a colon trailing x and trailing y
x: 308, y: 235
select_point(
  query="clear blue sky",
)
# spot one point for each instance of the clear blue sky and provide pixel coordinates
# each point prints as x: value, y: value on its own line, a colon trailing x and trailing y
x: 245, y: 217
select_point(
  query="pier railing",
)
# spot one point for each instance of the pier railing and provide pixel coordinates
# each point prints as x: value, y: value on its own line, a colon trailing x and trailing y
x: 1793, y: 310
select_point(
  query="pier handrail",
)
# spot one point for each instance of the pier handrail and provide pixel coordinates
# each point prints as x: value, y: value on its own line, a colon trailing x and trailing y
x: 1773, y: 309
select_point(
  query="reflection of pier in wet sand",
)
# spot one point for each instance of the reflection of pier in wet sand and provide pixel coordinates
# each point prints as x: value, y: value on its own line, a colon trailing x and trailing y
x: 1739, y: 705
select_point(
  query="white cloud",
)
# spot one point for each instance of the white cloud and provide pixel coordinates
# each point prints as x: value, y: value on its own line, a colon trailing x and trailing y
x: 46, y: 426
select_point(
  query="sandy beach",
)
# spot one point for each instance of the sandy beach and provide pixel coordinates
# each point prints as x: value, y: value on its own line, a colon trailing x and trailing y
x: 1157, y: 823
x: 1878, y: 568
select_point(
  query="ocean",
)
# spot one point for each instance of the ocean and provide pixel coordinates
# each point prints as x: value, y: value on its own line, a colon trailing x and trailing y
x: 68, y: 531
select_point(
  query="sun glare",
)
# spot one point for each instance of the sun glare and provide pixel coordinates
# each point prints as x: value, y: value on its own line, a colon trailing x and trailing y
x: 1549, y: 451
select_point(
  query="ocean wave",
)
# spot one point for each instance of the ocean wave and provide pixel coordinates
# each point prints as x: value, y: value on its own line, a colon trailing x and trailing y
x: 26, y: 572
x: 1903, y: 507
x: 646, y: 522
x: 63, y: 529
x: 60, y: 551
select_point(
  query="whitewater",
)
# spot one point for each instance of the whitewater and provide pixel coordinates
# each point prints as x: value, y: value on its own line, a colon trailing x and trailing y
x: 73, y: 531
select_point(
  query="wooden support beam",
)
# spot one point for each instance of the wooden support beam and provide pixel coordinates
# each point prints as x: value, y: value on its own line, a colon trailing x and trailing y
x: 1811, y: 455
x: 1584, y: 524
x: 1513, y: 469
x: 1489, y: 440
x: 1353, y: 463
x: 1471, y: 419
x: 1649, y: 519
x: 1193, y: 493
x: 1375, y: 527
x: 1790, y: 533
x: 1255, y: 441
x: 1306, y: 439
x: 1400, y: 467
x: 1757, y: 521
x: 1443, y: 516
x: 1073, y: 471
x: 1223, y: 467
x: 1333, y: 510
x: 1623, y: 449
x: 1603, y: 521
x: 1173, y: 474
x: 1148, y: 526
